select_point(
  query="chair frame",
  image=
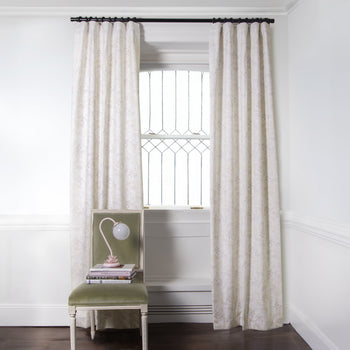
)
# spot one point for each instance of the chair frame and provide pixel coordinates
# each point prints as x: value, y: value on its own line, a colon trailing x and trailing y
x: 142, y: 307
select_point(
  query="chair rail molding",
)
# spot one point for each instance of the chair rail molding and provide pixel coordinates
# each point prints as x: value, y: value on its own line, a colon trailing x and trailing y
x: 330, y: 230
x: 34, y: 223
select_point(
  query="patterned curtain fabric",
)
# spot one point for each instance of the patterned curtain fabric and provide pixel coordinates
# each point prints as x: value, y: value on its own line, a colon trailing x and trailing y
x: 245, y: 221
x: 106, y: 156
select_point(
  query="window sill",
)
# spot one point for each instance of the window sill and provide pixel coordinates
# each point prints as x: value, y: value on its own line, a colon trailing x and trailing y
x: 175, y: 208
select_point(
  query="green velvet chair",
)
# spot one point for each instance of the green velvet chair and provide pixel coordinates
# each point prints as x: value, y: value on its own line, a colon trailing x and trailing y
x: 110, y: 296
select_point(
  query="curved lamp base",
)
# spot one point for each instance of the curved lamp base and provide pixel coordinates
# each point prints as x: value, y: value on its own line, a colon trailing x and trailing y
x: 111, y: 261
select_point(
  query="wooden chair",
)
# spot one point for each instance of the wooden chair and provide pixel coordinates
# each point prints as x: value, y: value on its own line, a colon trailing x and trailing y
x: 112, y: 296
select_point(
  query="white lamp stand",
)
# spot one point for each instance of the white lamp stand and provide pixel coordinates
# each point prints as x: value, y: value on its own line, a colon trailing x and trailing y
x: 121, y: 232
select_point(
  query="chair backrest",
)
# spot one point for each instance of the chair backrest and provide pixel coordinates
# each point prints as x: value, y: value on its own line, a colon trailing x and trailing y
x: 128, y: 251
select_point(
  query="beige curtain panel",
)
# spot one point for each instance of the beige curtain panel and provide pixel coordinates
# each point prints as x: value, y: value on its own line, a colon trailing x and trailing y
x: 245, y: 221
x: 106, y: 156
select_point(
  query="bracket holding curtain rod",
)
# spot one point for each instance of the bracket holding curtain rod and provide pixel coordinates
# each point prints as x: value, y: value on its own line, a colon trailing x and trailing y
x: 172, y: 20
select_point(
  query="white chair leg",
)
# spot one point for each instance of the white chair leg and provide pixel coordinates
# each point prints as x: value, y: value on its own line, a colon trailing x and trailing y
x: 144, y: 330
x: 72, y: 313
x: 92, y: 324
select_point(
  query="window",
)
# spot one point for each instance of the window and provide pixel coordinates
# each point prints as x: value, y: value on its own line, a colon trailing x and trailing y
x: 175, y: 137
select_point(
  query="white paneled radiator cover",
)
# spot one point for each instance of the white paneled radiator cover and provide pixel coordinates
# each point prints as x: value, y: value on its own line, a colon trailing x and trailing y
x: 178, y: 265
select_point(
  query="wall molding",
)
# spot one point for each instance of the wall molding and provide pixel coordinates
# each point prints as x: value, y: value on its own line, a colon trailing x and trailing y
x: 293, y: 6
x: 309, y: 330
x: 154, y: 11
x: 34, y: 223
x: 34, y: 315
x: 330, y: 230
x: 14, y: 222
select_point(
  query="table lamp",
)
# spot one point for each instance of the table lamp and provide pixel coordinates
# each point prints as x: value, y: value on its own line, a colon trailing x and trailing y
x: 121, y: 232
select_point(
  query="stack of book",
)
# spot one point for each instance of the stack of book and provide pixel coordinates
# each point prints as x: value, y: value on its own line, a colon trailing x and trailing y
x: 100, y: 274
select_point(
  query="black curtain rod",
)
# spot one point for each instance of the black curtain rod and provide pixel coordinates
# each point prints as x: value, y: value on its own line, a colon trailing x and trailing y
x: 172, y: 20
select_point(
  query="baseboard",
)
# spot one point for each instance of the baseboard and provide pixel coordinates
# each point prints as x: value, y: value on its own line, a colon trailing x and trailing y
x: 30, y: 315
x: 309, y: 331
x: 34, y: 315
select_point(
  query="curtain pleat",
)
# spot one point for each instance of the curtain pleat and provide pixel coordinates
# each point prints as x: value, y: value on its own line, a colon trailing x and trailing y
x: 106, y: 146
x: 245, y: 222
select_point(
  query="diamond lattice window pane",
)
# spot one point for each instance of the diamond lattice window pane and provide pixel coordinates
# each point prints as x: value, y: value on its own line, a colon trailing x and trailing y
x: 175, y: 137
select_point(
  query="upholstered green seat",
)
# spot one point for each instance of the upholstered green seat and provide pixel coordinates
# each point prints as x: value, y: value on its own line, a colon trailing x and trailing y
x: 113, y: 296
x: 109, y: 294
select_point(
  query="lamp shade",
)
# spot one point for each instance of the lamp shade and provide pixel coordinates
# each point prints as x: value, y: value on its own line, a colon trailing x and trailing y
x: 121, y: 231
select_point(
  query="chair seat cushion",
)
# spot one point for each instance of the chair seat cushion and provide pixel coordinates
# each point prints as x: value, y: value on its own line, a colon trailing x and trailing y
x: 109, y: 294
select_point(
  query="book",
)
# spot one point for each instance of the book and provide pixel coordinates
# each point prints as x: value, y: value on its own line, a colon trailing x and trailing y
x: 111, y: 277
x: 121, y: 268
x: 110, y: 273
x: 101, y: 281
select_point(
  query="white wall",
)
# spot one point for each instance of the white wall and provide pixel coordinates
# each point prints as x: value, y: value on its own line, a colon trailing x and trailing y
x: 319, y: 105
x: 317, y: 230
x: 35, y: 90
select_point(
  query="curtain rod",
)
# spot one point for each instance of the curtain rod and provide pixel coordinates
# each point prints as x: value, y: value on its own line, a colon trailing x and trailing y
x: 172, y: 20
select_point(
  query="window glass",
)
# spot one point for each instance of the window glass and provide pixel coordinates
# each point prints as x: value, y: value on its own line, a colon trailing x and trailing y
x: 175, y: 137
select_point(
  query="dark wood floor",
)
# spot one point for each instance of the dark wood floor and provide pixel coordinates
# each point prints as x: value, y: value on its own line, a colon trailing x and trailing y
x: 166, y: 336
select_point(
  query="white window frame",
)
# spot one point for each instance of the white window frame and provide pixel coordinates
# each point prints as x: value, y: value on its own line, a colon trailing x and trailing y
x: 185, y: 142
x: 175, y: 47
